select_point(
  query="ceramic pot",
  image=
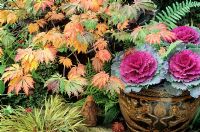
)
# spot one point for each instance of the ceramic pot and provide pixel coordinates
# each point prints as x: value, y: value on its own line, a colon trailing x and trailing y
x: 154, y: 110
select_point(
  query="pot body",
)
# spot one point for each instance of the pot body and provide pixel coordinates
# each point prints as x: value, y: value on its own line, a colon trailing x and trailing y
x: 154, y: 110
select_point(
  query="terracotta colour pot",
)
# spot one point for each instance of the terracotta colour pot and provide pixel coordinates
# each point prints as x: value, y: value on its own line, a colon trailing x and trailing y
x: 154, y: 110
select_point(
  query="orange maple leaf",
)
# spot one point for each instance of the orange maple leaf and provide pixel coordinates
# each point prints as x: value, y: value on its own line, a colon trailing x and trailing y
x: 154, y: 38
x: 168, y: 36
x: 101, y: 29
x: 100, y: 79
x: 100, y: 44
x: 65, y: 61
x: 55, y: 37
x: 77, y: 71
x: 115, y: 85
x: 22, y: 82
x: 43, y: 4
x: 93, y: 5
x: 97, y: 64
x: 53, y: 16
x: 25, y: 55
x: 47, y: 54
x: 158, y: 32
x: 33, y: 27
x: 12, y: 72
x: 72, y: 29
x: 122, y: 26
x: 103, y: 55
x: 41, y: 22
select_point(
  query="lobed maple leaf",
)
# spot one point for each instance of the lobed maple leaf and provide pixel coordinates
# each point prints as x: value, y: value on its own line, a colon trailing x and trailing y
x: 153, y: 38
x: 72, y: 29
x: 65, y: 61
x: 100, y: 44
x: 8, y: 16
x: 55, y: 37
x: 33, y: 27
x: 1, y: 52
x: 14, y: 71
x: 114, y: 85
x: 55, y: 83
x: 79, y: 47
x: 104, y: 55
x: 39, y: 39
x: 41, y: 22
x: 53, y: 16
x: 28, y: 59
x: 157, y: 32
x: 97, y: 64
x: 93, y: 5
x: 47, y: 54
x: 101, y: 29
x: 43, y: 4
x: 74, y: 85
x: 24, y: 82
x: 122, y: 26
x: 100, y: 79
x: 12, y: 18
x: 77, y: 71
x: 29, y: 65
x: 25, y: 55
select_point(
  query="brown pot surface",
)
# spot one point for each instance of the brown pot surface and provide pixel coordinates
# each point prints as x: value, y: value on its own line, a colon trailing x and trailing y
x: 154, y: 110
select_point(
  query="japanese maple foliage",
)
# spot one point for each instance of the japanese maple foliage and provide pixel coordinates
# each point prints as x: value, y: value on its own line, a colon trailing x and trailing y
x: 60, y: 31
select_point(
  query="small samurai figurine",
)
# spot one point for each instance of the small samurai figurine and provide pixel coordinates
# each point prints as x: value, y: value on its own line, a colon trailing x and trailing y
x: 89, y: 111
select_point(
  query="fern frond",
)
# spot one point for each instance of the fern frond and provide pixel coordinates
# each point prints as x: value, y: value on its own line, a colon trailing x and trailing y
x: 174, y: 13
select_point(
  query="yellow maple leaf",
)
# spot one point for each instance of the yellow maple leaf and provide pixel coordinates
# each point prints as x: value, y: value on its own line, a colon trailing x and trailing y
x: 80, y: 47
x: 101, y: 29
x: 12, y: 18
x: 33, y: 27
x: 30, y: 66
x: 3, y: 16
x: 65, y: 61
x: 1, y: 52
x: 24, y: 82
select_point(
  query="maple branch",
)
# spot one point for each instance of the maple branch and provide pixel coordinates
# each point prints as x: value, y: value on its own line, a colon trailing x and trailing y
x: 10, y: 9
x: 76, y: 58
x: 89, y: 51
x: 64, y: 71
